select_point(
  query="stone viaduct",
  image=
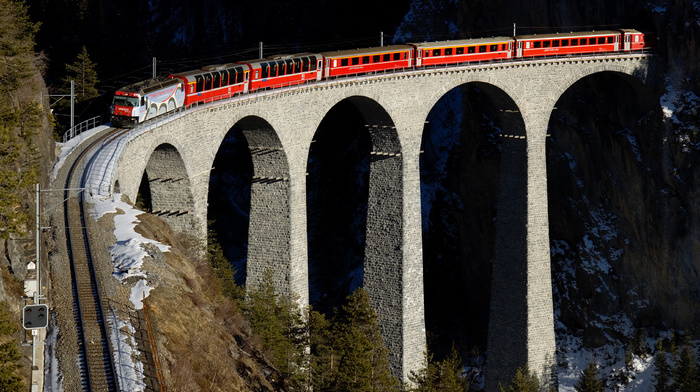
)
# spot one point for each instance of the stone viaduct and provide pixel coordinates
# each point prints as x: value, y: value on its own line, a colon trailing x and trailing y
x: 176, y: 154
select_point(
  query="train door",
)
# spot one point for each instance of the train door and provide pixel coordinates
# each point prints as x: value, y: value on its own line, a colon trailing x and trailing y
x: 628, y: 42
x: 246, y: 75
x: 519, y: 52
x: 617, y: 42
x: 510, y: 50
x: 419, y: 56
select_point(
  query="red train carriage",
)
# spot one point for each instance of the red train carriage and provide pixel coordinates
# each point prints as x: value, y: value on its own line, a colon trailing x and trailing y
x: 284, y: 70
x: 214, y: 82
x: 567, y: 43
x: 461, y: 51
x: 634, y: 40
x: 381, y: 58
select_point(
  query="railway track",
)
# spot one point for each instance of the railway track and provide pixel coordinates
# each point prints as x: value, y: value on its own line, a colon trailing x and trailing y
x: 95, y: 357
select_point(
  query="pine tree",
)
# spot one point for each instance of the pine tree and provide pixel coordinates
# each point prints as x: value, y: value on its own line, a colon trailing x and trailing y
x: 362, y: 359
x: 662, y: 370
x: 450, y: 374
x: 225, y: 273
x: 10, y: 357
x: 589, y: 382
x: 685, y: 372
x: 83, y: 72
x: 278, y: 321
x: 523, y: 381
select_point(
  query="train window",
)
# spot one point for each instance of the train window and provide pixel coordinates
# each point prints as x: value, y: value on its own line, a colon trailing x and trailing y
x: 527, y: 45
x: 290, y: 67
x: 555, y: 43
x: 636, y: 38
x: 482, y: 49
x: 427, y: 53
x: 207, y: 82
x: 344, y: 62
x: 397, y: 56
x: 493, y: 48
x: 601, y: 40
x: 239, y: 75
x: 355, y: 60
x: 546, y: 44
x: 610, y: 40
x: 471, y: 49
x: 538, y: 44
x: 460, y: 50
x: 305, y: 64
x: 376, y: 58
x: 387, y: 57
x: 574, y: 42
x: 565, y: 42
x: 297, y: 64
x: 273, y: 70
x: 436, y: 52
x: 365, y: 60
x: 216, y: 81
x: 448, y: 51
x: 192, y: 89
x: 503, y: 47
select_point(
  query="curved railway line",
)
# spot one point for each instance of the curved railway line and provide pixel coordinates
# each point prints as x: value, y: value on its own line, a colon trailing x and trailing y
x: 95, y: 356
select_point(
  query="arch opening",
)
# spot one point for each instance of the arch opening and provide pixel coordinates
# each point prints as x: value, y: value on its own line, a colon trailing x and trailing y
x: 615, y: 218
x: 165, y: 189
x: 337, y: 196
x: 228, y: 212
x: 460, y: 168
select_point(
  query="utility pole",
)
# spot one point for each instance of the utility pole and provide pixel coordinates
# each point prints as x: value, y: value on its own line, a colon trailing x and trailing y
x: 72, y: 104
x: 514, y: 30
x: 154, y: 68
x: 381, y: 38
x: 260, y: 50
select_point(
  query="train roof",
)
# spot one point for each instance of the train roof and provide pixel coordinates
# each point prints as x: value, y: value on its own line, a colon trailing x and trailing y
x: 463, y: 42
x: 149, y: 85
x: 208, y: 69
x: 567, y: 35
x: 367, y: 51
x: 278, y: 57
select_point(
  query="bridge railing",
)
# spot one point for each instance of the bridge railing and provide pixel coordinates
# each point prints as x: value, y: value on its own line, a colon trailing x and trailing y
x: 82, y: 127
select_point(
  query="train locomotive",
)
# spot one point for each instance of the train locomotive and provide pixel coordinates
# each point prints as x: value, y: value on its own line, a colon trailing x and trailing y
x: 144, y: 100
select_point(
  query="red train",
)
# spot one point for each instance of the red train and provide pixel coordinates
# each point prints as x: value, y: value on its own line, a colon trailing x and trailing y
x: 144, y: 100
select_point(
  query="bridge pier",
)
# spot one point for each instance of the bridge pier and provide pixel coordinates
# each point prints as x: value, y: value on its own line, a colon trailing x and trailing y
x: 521, y: 324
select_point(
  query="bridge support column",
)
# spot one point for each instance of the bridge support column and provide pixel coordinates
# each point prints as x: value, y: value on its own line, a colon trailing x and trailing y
x: 393, y: 270
x: 521, y: 326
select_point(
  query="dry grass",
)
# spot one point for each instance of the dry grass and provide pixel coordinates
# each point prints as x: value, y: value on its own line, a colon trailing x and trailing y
x: 204, y: 343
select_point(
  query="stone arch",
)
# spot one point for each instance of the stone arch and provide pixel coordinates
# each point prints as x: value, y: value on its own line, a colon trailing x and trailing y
x: 382, y: 258
x: 603, y: 173
x: 269, y: 232
x: 460, y: 166
x: 166, y: 180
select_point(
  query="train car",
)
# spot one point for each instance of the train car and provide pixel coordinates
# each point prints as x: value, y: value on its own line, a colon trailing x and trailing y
x: 214, y: 82
x: 381, y: 58
x: 141, y: 101
x: 462, y: 51
x: 567, y: 43
x: 284, y: 70
x: 634, y: 40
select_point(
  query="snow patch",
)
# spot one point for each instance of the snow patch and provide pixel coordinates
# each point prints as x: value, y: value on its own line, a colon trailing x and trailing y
x: 127, y: 253
x: 129, y: 372
x: 68, y: 147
